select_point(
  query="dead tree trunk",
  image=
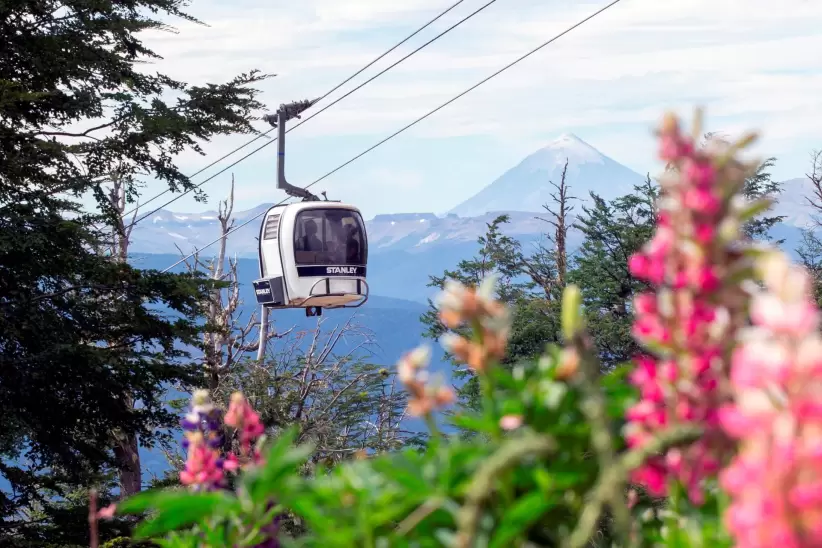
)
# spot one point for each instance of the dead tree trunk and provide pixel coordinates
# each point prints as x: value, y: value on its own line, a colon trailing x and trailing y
x: 559, y: 220
x: 126, y: 445
x: 224, y: 340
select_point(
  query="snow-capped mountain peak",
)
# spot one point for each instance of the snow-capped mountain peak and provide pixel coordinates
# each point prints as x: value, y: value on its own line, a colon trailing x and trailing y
x: 565, y: 147
x: 573, y: 148
x: 527, y: 186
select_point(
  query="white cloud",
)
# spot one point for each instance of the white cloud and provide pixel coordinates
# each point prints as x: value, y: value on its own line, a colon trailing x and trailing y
x: 752, y: 63
x: 382, y: 177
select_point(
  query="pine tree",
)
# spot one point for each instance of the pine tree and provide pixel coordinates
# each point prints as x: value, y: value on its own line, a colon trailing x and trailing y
x: 761, y: 185
x: 76, y: 107
x: 612, y: 232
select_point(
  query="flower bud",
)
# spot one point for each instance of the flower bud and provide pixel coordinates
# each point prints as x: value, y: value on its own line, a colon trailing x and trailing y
x: 568, y: 364
x: 510, y: 422
x: 571, y: 313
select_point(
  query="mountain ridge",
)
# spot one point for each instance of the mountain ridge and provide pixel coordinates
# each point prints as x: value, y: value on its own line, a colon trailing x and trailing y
x: 520, y: 192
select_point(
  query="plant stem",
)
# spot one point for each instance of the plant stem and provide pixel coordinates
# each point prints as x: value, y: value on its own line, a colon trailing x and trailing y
x: 366, y: 527
x: 486, y: 387
x: 612, y: 480
x: 594, y: 407
x: 431, y: 423
x: 482, y: 484
x: 723, y: 502
x: 414, y: 518
x: 666, y: 439
x: 489, y: 404
x: 673, y: 516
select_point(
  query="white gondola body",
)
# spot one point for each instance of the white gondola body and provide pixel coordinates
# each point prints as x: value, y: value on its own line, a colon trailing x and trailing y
x: 312, y: 254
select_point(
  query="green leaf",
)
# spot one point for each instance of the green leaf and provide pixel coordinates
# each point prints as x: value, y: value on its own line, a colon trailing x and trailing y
x: 281, y: 461
x: 512, y: 407
x: 543, y: 479
x: 307, y: 508
x: 175, y: 540
x: 519, y: 517
x: 618, y: 390
x: 754, y: 208
x: 473, y: 423
x: 281, y: 446
x: 402, y: 472
x: 161, y: 499
x: 146, y: 500
x: 175, y: 509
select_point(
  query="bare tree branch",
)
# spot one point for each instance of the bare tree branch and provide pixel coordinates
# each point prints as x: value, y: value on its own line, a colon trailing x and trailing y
x: 559, y: 221
x: 815, y: 178
x: 225, y: 341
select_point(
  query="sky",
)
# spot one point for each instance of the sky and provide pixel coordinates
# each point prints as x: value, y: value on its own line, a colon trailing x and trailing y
x: 751, y: 64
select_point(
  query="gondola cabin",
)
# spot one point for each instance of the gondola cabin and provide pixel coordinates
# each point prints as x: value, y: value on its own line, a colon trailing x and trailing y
x: 313, y: 255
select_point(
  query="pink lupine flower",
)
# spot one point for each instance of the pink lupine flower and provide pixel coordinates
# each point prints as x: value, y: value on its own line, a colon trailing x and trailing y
x: 775, y: 481
x: 689, y: 319
x: 108, y: 512
x: 202, y: 468
x: 231, y: 463
x: 203, y: 439
x: 700, y: 173
x: 241, y: 415
x: 702, y: 200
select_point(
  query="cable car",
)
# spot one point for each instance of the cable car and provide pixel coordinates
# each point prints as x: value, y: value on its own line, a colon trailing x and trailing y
x: 314, y: 253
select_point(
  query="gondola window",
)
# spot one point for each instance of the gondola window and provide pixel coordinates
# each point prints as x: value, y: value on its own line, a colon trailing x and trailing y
x: 329, y: 237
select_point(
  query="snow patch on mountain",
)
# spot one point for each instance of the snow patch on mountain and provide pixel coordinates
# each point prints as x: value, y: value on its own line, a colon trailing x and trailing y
x: 433, y: 237
x: 403, y: 217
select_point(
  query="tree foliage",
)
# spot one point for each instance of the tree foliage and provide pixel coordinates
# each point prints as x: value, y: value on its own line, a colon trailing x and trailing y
x: 810, y: 249
x: 612, y: 232
x: 757, y: 186
x: 525, y: 281
x: 76, y: 105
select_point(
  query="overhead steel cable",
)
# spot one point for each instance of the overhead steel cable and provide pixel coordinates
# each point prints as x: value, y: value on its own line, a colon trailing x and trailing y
x: 326, y: 94
x: 386, y: 69
x: 410, y: 125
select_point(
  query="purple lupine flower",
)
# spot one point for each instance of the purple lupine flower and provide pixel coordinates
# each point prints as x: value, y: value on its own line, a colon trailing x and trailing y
x: 203, y: 438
